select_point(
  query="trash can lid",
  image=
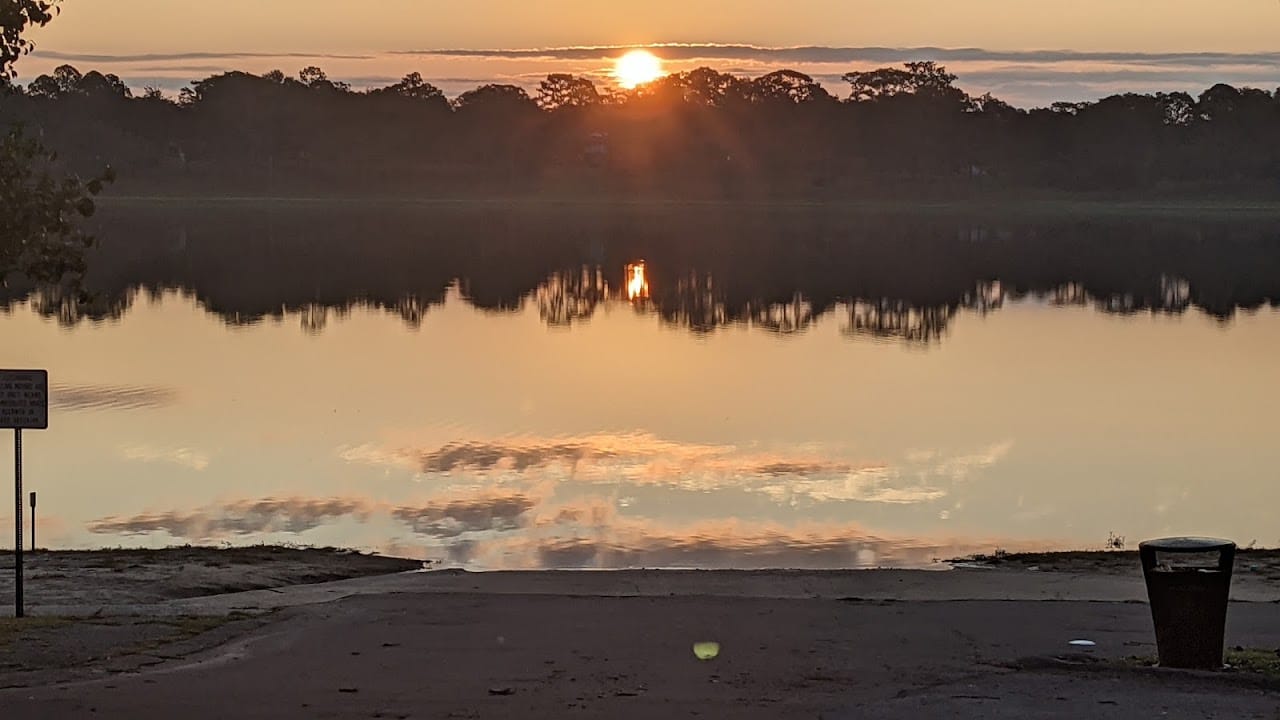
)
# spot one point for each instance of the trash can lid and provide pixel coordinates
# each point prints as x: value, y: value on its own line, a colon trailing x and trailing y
x: 1187, y: 544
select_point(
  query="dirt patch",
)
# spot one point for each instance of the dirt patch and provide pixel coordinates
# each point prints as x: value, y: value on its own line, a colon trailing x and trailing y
x: 1253, y: 660
x: 1243, y: 668
x: 36, y: 651
x: 109, y: 577
x: 1248, y: 661
x: 49, y: 647
x: 13, y: 630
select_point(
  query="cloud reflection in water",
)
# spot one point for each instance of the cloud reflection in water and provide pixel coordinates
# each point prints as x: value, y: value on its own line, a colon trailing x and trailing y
x: 245, y: 517
x: 646, y: 460
x: 517, y: 532
x: 555, y: 502
x: 186, y: 457
x: 110, y: 397
x: 459, y: 517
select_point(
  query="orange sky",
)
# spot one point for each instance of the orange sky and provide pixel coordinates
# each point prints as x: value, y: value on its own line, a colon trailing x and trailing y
x: 135, y: 26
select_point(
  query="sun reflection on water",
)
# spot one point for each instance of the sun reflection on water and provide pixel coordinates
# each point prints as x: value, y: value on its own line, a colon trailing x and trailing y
x: 637, y: 283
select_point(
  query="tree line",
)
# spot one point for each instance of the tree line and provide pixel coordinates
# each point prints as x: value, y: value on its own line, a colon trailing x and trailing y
x: 900, y: 131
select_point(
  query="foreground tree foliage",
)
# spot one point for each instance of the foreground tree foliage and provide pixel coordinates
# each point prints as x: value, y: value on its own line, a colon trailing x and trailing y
x: 905, y: 131
x: 16, y: 16
x: 38, y: 213
x: 39, y: 205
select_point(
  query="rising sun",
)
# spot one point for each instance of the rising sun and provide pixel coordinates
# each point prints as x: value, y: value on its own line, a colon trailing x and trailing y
x: 637, y: 68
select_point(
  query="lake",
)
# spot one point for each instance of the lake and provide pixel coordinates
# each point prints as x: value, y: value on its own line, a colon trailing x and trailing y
x: 597, y: 387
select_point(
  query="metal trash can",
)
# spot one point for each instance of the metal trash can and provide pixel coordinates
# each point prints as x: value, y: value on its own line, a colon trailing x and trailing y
x: 1188, y: 582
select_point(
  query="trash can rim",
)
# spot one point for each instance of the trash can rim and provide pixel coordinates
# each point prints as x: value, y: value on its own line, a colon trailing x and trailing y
x: 1187, y: 544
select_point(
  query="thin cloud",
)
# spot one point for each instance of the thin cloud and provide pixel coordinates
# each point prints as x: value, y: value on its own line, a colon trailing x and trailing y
x: 164, y: 68
x: 826, y: 54
x: 163, y: 57
x: 1127, y: 77
x: 817, y: 54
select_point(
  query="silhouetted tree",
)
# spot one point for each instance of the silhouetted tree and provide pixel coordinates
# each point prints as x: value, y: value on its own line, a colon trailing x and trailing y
x: 705, y: 86
x: 495, y: 98
x: 787, y: 87
x: 414, y: 87
x: 44, y: 86
x: 68, y: 78
x: 95, y: 84
x: 16, y: 16
x: 39, y: 237
x: 990, y: 105
x: 1179, y: 108
x: 927, y: 79
x: 561, y: 90
x: 312, y: 76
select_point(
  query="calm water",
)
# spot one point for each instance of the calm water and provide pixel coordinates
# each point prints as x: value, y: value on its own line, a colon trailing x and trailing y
x: 584, y: 388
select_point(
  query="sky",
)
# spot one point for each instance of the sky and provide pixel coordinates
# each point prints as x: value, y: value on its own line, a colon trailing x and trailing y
x: 1139, y: 45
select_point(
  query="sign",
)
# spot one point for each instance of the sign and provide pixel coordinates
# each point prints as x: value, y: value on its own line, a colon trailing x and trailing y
x: 24, y: 405
x: 24, y: 399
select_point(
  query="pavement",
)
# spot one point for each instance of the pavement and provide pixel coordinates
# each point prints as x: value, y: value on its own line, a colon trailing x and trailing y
x: 879, y: 644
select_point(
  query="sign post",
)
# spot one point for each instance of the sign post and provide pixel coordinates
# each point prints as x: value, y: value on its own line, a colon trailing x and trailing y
x: 24, y: 405
x: 17, y: 522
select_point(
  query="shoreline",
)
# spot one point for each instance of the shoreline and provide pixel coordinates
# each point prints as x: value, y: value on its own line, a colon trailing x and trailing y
x: 112, y: 576
x: 1060, y: 560
x: 196, y: 577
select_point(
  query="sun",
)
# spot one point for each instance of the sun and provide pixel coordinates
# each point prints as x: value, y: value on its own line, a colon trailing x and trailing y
x: 637, y: 68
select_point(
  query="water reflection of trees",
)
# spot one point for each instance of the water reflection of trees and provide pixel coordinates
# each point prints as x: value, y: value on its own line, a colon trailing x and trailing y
x: 567, y: 297
x: 71, y: 307
x: 896, y: 319
x: 879, y: 276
